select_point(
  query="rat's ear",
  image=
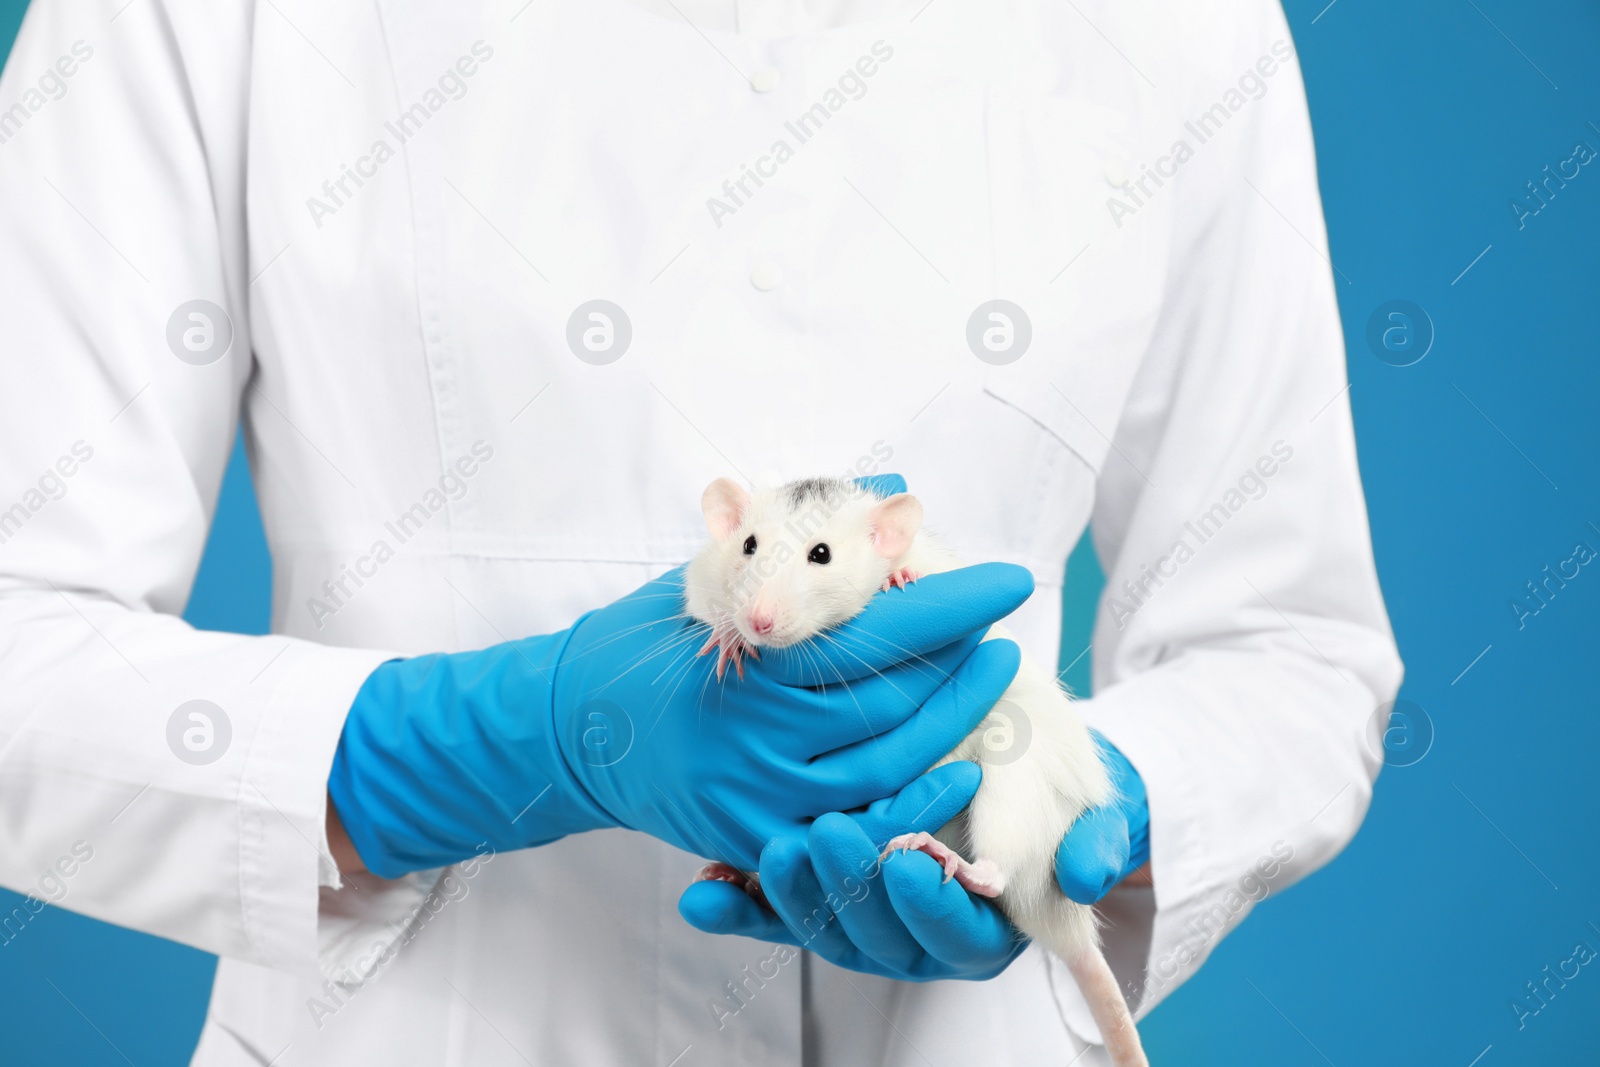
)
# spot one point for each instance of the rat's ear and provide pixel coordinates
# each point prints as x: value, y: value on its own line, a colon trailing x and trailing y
x: 724, y: 503
x: 895, y: 523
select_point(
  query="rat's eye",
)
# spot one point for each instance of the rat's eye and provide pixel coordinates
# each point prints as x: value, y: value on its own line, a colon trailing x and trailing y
x: 820, y: 554
x: 750, y: 545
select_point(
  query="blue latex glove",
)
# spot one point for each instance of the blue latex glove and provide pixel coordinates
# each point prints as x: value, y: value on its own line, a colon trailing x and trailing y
x: 900, y: 919
x: 1108, y: 843
x: 617, y: 722
x: 915, y: 926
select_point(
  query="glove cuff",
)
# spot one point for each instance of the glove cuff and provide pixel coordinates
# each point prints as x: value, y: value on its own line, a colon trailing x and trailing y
x: 444, y: 753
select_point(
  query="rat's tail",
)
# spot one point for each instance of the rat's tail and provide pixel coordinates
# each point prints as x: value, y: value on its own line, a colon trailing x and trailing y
x: 1110, y: 1011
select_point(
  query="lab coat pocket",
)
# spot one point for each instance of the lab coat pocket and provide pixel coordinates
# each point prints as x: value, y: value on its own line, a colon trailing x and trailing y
x: 1055, y: 413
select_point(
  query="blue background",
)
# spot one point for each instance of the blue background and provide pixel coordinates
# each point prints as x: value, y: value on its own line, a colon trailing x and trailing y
x: 1479, y: 864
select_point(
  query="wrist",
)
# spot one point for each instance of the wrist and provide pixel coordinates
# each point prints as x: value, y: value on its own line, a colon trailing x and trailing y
x: 343, y: 850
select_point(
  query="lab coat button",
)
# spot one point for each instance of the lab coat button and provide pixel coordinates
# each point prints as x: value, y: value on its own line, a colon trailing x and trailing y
x: 765, y: 79
x: 1115, y: 173
x: 766, y: 276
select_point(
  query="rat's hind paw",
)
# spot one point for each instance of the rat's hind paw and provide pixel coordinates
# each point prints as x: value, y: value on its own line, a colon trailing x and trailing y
x: 900, y: 578
x: 722, y: 872
x: 982, y: 878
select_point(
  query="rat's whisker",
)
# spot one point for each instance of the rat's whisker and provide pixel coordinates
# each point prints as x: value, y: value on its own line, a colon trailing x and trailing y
x: 868, y: 663
x: 861, y: 710
x: 827, y: 661
x: 666, y: 647
x: 681, y: 665
x: 622, y: 634
x: 881, y: 642
x: 684, y: 669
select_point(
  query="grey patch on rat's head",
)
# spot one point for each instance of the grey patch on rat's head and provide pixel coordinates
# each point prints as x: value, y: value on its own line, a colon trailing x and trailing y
x: 798, y: 494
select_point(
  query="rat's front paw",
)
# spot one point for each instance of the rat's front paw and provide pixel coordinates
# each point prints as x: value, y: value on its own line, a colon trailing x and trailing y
x: 731, y: 647
x: 900, y: 578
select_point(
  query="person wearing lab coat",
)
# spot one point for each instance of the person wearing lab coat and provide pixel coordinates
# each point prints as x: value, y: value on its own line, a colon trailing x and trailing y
x: 494, y: 290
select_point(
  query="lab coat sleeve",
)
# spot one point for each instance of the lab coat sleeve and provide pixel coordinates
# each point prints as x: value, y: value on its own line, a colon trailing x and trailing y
x: 1241, y: 647
x: 122, y: 198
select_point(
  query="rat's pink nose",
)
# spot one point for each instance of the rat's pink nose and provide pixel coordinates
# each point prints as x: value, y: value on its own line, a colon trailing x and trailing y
x: 761, y: 623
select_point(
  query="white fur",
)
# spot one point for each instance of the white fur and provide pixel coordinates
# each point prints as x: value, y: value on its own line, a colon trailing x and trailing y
x: 1028, y: 799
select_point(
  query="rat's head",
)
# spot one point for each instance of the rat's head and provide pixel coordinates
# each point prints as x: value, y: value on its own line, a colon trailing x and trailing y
x: 785, y: 564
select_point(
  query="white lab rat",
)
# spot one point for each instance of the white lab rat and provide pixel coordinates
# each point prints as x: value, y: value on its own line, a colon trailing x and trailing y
x: 786, y: 564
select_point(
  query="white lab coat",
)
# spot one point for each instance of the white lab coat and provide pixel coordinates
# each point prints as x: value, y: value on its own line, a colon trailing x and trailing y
x: 399, y: 349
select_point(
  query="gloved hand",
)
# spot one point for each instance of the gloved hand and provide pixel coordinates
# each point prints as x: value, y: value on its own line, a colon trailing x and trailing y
x: 1108, y: 843
x: 916, y: 926
x: 899, y: 919
x: 617, y: 722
